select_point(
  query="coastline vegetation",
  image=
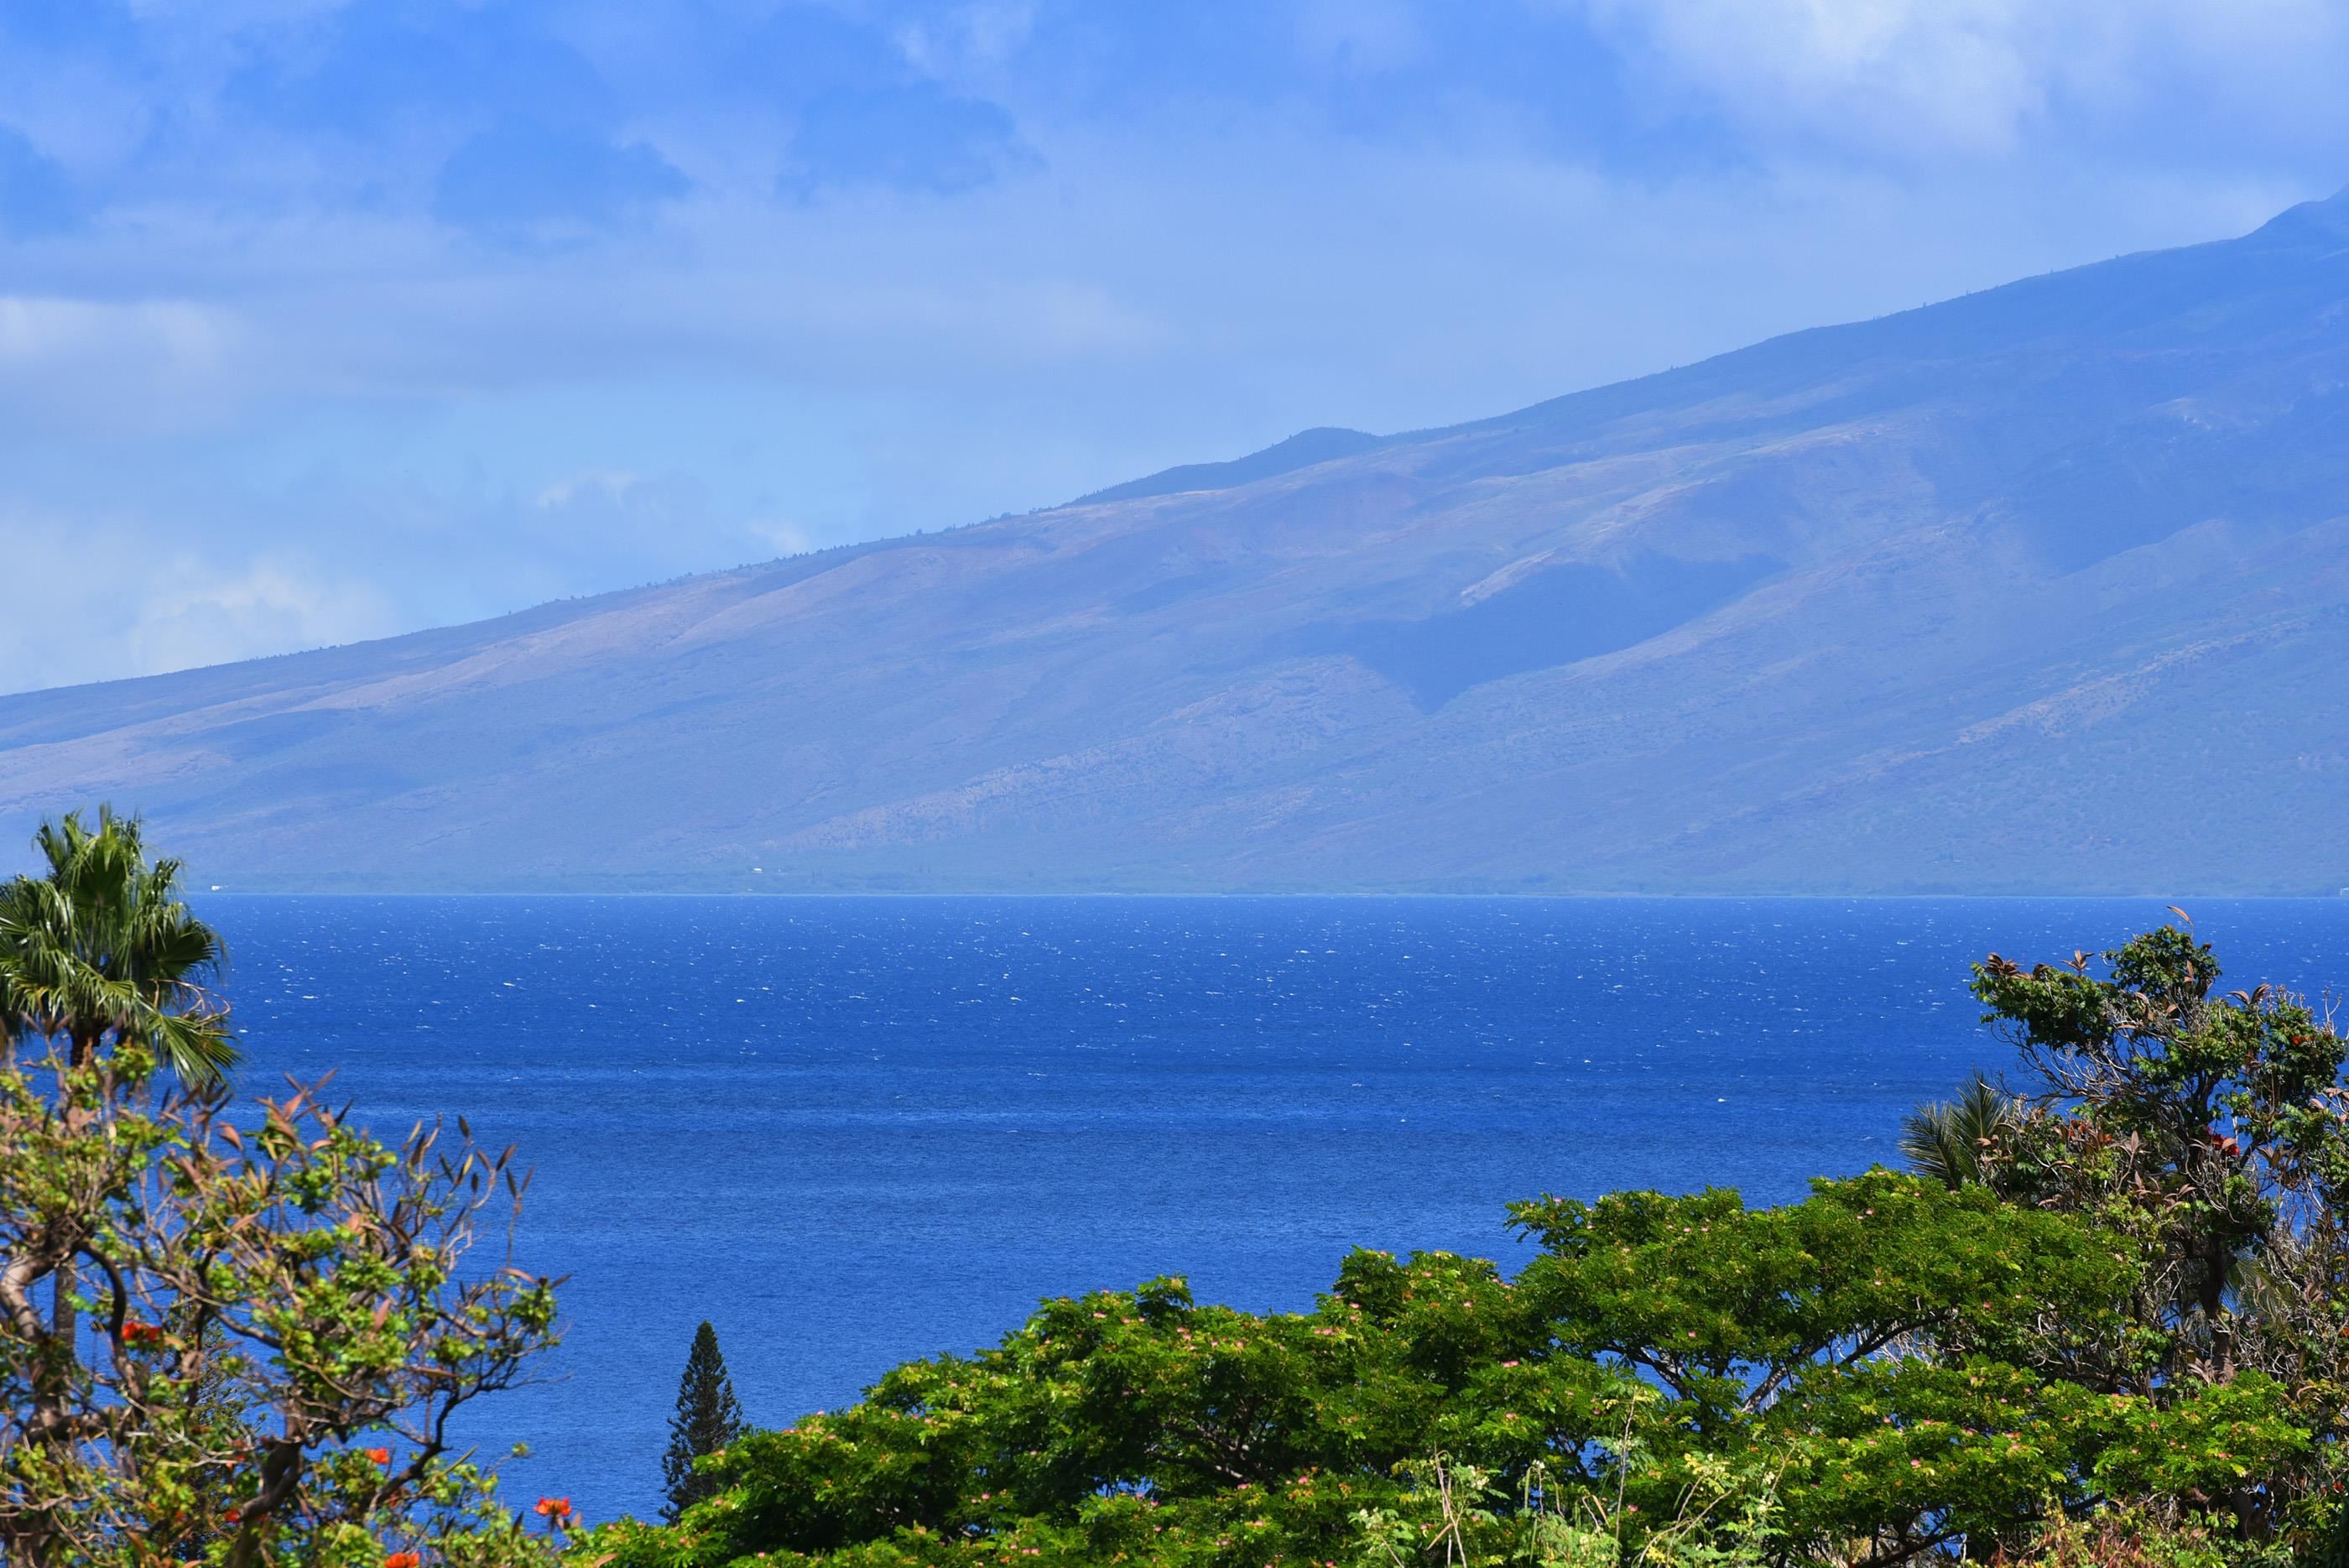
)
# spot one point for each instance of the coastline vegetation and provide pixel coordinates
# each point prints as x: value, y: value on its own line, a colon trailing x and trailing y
x: 260, y: 1319
x: 709, y: 1419
x: 2103, y: 1320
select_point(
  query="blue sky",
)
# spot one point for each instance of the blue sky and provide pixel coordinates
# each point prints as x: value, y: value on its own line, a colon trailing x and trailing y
x: 323, y: 320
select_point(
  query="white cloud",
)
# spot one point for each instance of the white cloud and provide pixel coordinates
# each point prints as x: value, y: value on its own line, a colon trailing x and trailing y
x: 610, y: 484
x: 976, y: 37
x: 1976, y: 77
x: 782, y: 536
x: 197, y: 614
x: 628, y: 526
x: 102, y: 602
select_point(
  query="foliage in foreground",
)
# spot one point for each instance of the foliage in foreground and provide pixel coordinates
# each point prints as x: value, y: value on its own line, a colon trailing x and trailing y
x: 1878, y: 1352
x: 258, y: 1326
x: 2103, y: 1324
x: 708, y: 1417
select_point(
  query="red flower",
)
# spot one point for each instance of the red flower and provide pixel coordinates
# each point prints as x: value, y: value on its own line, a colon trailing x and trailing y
x: 380, y: 1456
x: 137, y: 1333
x: 555, y: 1507
x: 402, y: 1560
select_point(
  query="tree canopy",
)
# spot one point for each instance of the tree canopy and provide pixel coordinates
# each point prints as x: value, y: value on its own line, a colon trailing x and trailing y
x: 265, y: 1318
x: 2104, y: 1302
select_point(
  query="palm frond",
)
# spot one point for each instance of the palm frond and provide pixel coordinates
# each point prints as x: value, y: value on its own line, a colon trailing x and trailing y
x: 103, y: 947
x: 1953, y: 1141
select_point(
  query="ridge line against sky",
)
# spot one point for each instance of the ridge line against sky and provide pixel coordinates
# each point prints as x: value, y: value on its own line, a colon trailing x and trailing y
x: 321, y: 321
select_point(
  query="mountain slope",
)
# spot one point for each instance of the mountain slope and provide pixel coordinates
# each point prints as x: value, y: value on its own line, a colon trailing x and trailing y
x: 2043, y: 588
x: 1302, y: 449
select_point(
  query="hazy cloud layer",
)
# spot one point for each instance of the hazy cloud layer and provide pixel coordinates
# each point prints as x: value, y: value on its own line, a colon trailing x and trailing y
x: 331, y: 318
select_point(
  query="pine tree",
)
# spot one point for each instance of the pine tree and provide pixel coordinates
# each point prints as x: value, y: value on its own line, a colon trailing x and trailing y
x: 707, y: 1419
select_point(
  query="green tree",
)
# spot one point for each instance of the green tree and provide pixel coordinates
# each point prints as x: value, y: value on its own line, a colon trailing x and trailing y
x: 102, y: 949
x: 1876, y: 1359
x: 2109, y: 1314
x: 2209, y: 1126
x: 708, y: 1420
x: 287, y: 1321
x: 2209, y: 1133
x: 101, y: 952
x: 1958, y: 1141
x: 285, y: 1316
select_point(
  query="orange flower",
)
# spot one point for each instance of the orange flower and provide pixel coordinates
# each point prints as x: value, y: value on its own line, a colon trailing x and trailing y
x: 555, y: 1507
x: 402, y: 1560
x: 137, y: 1333
x: 380, y: 1456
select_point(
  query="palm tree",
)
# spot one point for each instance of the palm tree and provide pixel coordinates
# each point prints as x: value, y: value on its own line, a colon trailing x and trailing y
x: 1952, y: 1141
x: 101, y: 952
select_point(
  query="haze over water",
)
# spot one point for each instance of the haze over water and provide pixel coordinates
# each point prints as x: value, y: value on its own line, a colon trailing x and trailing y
x: 851, y: 1132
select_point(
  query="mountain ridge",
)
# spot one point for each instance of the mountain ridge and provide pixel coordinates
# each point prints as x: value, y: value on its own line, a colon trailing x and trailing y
x: 1920, y: 604
x: 1306, y: 449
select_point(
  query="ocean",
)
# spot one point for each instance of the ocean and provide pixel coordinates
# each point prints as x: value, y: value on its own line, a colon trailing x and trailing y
x: 853, y: 1131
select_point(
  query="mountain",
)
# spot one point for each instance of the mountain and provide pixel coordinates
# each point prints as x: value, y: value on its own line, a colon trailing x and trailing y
x: 1303, y: 450
x: 2042, y: 589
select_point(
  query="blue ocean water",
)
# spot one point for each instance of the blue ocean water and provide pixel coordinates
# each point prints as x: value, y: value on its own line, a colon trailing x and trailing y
x: 850, y: 1132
